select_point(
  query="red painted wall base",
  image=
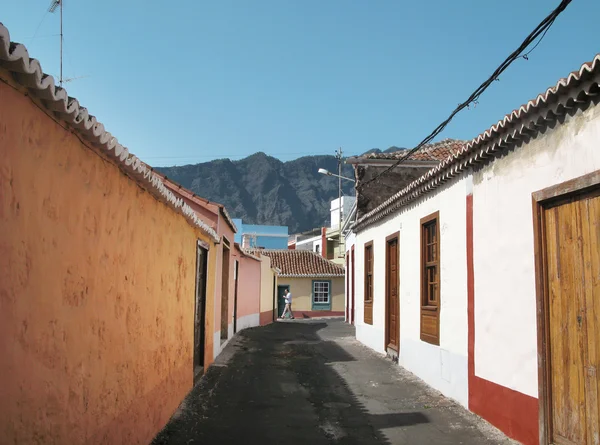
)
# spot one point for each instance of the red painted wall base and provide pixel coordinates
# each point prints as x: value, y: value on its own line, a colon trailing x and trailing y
x: 313, y: 314
x: 512, y: 412
x: 266, y: 318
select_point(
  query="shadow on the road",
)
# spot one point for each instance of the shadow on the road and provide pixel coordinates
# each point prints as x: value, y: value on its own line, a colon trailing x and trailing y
x: 281, y: 387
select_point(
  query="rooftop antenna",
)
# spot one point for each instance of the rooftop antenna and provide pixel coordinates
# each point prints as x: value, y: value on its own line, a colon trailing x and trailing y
x: 53, y: 6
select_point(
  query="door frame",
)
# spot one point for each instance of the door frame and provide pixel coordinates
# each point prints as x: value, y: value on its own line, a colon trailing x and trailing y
x: 199, y: 358
x: 285, y: 286
x: 540, y: 200
x: 388, y: 239
x: 236, y: 279
x: 348, y: 287
x: 274, y: 298
x: 225, y: 281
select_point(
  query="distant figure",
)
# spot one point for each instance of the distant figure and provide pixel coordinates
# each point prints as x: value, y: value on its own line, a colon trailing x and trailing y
x: 287, y: 295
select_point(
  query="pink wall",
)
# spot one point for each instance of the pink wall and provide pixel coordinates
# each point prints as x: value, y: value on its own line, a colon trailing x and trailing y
x: 248, y: 285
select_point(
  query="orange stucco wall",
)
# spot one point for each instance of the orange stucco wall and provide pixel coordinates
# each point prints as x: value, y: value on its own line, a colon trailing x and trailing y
x: 96, y: 292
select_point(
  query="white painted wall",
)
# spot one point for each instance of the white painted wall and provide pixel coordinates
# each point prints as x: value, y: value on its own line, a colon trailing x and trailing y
x: 347, y: 203
x: 248, y: 321
x: 444, y: 367
x: 505, y: 305
x: 309, y: 243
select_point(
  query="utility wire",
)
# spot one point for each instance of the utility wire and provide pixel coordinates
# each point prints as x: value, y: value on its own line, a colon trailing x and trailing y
x: 541, y: 29
x: 38, y: 27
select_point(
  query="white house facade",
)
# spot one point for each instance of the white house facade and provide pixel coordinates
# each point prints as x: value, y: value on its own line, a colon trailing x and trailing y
x: 482, y: 276
x: 442, y: 366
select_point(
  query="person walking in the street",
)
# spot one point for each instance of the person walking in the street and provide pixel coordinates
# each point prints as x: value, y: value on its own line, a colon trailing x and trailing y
x: 287, y: 295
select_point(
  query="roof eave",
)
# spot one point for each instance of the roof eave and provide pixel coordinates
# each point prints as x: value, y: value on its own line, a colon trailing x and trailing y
x: 388, y: 162
x: 521, y: 124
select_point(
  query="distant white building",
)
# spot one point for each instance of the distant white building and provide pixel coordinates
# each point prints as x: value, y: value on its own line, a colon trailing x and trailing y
x: 347, y: 204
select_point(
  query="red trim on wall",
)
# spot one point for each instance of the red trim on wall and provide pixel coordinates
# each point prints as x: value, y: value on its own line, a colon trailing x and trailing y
x: 514, y: 413
x: 324, y: 242
x: 266, y: 318
x: 313, y: 314
x: 347, y: 288
x: 353, y: 288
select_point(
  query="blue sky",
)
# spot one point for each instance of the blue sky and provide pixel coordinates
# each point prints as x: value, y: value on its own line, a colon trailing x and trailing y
x: 191, y: 80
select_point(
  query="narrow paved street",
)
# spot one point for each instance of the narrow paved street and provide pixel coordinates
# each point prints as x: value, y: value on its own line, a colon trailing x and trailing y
x: 311, y: 382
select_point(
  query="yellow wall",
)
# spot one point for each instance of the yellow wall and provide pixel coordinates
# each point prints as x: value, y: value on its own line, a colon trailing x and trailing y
x: 268, y: 293
x: 97, y: 283
x: 266, y: 286
x: 301, y: 289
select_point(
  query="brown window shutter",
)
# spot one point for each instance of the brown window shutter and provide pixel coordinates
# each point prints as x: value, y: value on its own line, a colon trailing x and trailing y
x: 430, y: 279
x: 368, y: 288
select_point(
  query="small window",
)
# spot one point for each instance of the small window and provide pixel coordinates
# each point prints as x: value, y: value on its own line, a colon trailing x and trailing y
x: 430, y: 279
x: 318, y: 248
x: 368, y: 290
x: 321, y: 292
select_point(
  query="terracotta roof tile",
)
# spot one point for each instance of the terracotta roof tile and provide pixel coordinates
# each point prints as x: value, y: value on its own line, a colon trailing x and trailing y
x: 438, y: 151
x: 28, y: 73
x: 302, y: 263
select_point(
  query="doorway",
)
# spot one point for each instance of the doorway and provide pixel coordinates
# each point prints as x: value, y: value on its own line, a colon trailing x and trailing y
x: 392, y: 303
x: 200, y: 310
x: 236, y: 274
x: 280, y: 299
x: 274, y: 298
x: 567, y: 243
x: 225, y: 291
x: 348, y: 287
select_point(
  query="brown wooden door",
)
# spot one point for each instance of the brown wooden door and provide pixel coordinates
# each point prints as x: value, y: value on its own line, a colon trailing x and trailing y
x: 572, y: 243
x: 391, y: 297
x: 200, y: 308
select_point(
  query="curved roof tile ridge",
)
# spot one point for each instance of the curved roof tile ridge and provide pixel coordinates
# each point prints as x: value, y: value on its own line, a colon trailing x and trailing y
x: 498, y: 136
x: 302, y: 263
x: 28, y: 73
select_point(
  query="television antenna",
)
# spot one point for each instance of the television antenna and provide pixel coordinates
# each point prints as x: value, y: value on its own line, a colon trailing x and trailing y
x: 58, y: 4
x: 52, y: 9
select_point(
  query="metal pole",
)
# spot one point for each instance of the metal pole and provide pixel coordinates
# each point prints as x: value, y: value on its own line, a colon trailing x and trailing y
x: 61, y: 42
x: 339, y: 201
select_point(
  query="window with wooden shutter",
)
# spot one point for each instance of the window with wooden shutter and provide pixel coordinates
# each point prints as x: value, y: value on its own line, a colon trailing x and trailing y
x: 368, y: 283
x: 430, y: 279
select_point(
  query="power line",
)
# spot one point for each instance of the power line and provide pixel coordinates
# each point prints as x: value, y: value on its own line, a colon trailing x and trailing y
x: 541, y: 29
x: 234, y: 155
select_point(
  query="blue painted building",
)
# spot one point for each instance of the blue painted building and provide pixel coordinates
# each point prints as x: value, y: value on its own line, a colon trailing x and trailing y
x: 259, y: 236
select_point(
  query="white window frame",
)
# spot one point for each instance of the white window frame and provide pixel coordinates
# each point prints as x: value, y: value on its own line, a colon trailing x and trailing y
x: 320, y: 292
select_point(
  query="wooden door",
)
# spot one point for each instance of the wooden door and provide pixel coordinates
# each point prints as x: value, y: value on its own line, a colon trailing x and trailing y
x: 200, y: 309
x: 391, y: 293
x: 572, y: 274
x: 225, y: 291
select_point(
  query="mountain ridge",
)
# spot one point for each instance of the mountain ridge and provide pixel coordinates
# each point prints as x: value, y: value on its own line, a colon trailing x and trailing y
x: 261, y: 189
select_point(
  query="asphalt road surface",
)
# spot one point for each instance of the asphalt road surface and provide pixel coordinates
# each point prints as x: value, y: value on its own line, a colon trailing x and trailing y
x: 311, y: 382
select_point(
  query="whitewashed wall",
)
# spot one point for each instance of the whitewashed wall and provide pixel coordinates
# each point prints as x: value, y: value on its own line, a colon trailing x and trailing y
x: 505, y: 305
x: 444, y: 367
